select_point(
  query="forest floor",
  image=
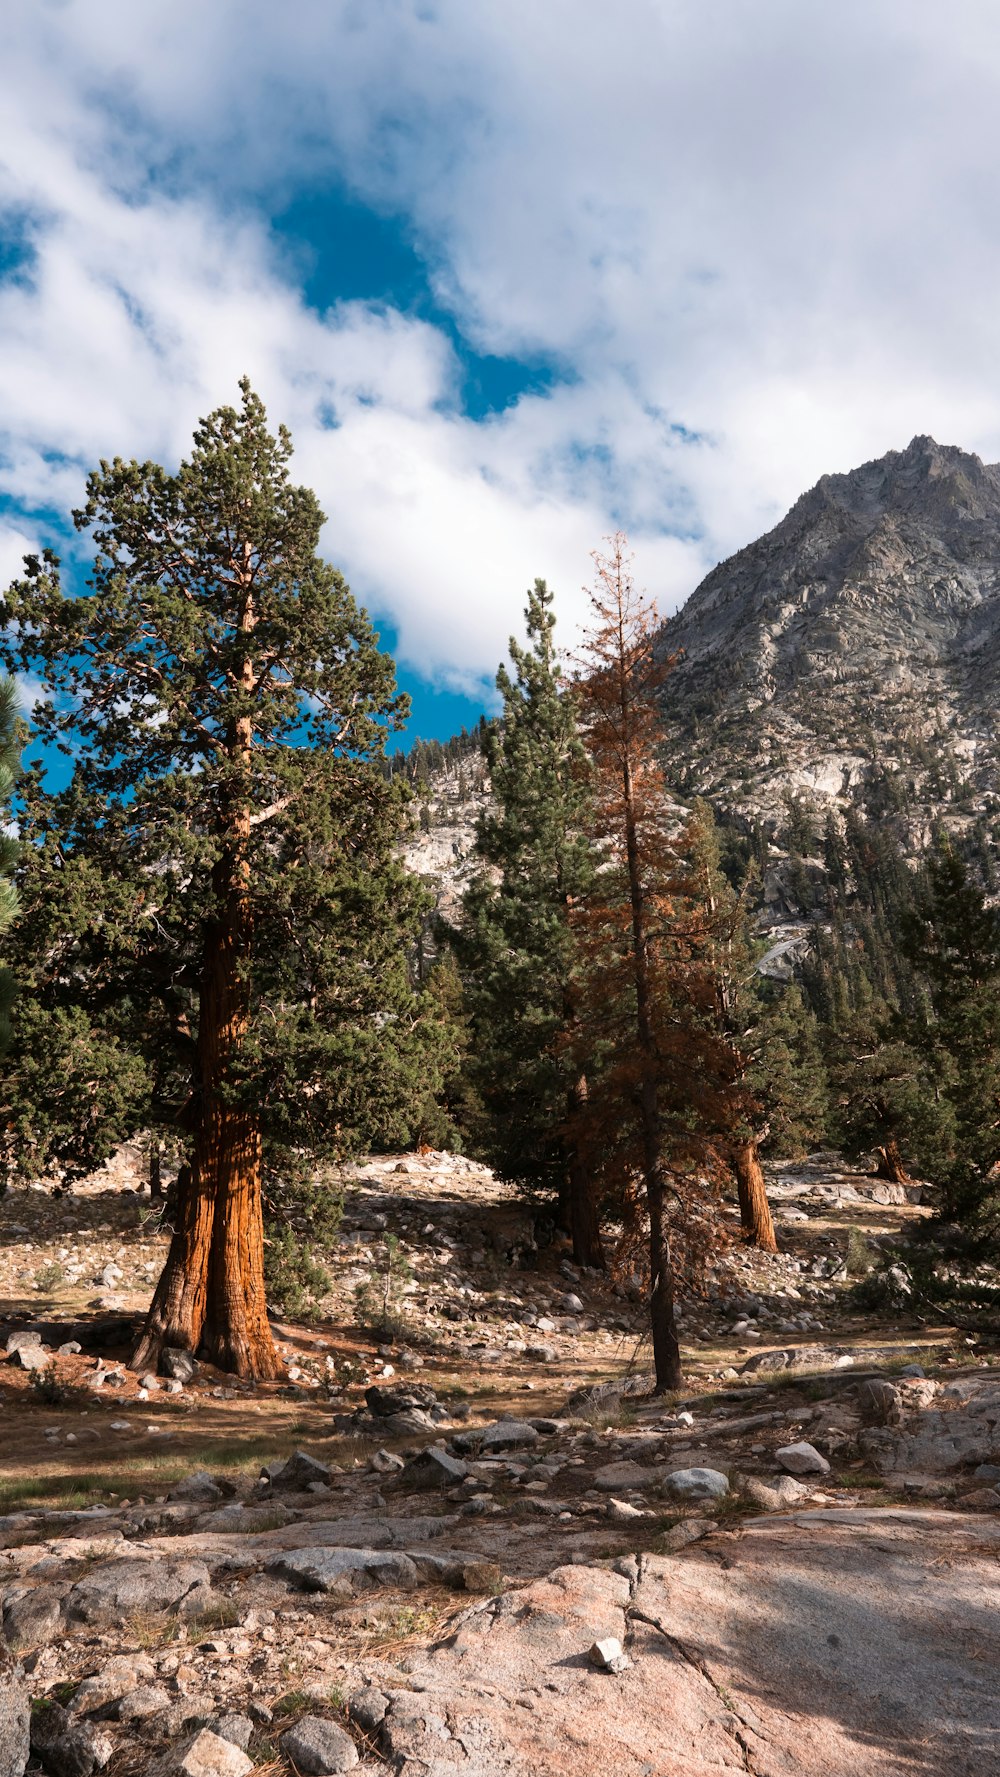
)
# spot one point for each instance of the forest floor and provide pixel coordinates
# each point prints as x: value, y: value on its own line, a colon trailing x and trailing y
x: 143, y: 1555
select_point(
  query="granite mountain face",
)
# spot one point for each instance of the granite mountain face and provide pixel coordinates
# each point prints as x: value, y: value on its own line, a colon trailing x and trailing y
x: 859, y: 637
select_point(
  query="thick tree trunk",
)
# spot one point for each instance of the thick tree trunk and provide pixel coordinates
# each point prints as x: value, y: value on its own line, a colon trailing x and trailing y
x: 212, y: 1291
x: 890, y: 1164
x: 755, y: 1211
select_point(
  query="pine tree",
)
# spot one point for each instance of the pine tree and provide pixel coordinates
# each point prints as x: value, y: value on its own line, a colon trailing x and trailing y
x: 662, y: 1096
x: 515, y: 946
x: 217, y: 883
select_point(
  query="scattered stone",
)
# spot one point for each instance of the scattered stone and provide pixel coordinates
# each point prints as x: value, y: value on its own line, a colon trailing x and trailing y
x: 696, y: 1483
x: 506, y: 1434
x: 319, y: 1748
x: 30, y: 1357
x: 619, y: 1511
x: 384, y: 1402
x: 609, y: 1656
x: 150, y: 1383
x: 237, y: 1729
x: 802, y: 1459
x: 72, y: 1348
x: 386, y: 1462
x: 880, y: 1403
x: 22, y: 1341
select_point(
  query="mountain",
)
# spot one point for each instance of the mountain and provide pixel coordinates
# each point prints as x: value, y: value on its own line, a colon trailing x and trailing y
x: 856, y: 645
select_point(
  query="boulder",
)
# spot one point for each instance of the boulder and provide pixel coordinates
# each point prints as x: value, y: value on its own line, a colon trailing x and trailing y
x: 505, y: 1434
x: 22, y: 1341
x: 118, y: 1590
x: 319, y: 1748
x: 30, y: 1357
x: 14, y: 1717
x: 696, y: 1483
x: 343, y: 1570
x: 802, y: 1459
x: 775, y: 1496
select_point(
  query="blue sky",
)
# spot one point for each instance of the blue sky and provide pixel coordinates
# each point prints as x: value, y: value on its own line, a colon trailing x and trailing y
x: 514, y: 275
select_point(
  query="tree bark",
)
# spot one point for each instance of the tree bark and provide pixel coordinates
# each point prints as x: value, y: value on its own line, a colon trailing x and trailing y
x: 755, y: 1211
x: 890, y: 1163
x: 666, y: 1347
x: 155, y: 1174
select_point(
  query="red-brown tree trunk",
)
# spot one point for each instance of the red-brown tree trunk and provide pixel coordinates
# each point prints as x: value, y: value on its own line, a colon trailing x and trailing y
x: 212, y: 1293
x: 890, y: 1164
x: 755, y: 1210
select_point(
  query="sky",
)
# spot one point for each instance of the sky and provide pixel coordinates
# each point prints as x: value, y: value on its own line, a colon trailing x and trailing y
x: 516, y: 275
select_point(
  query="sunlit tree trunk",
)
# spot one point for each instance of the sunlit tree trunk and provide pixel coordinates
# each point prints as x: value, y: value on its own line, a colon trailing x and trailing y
x: 755, y: 1210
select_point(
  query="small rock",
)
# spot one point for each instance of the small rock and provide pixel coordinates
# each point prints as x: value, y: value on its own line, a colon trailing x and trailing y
x: 204, y: 1755
x: 624, y: 1477
x: 696, y: 1483
x: 180, y: 1366
x: 32, y: 1619
x: 319, y: 1748
x: 802, y: 1459
x: 67, y: 1748
x: 30, y: 1357
x: 435, y: 1468
x: 297, y: 1472
x: 344, y: 1570
x: 691, y: 1531
x: 386, y: 1462
x: 71, y: 1349
x: 609, y: 1656
x: 22, y: 1341
x: 237, y: 1729
x: 150, y: 1383
x: 619, y: 1511
x: 368, y: 1709
x: 776, y: 1497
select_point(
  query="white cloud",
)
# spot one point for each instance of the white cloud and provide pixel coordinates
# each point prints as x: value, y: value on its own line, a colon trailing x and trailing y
x: 763, y: 240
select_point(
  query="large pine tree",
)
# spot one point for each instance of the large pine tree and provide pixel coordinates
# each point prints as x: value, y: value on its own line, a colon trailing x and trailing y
x: 215, y: 890
x: 515, y: 943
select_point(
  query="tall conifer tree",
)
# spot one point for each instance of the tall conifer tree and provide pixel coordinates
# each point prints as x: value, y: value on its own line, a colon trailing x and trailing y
x: 217, y: 883
x: 663, y: 1079
x: 515, y: 944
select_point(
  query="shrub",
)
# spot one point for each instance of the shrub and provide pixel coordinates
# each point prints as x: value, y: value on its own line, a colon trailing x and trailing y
x: 381, y: 1299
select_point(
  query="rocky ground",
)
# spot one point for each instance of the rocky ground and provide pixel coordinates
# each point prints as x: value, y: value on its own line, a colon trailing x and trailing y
x: 484, y: 1547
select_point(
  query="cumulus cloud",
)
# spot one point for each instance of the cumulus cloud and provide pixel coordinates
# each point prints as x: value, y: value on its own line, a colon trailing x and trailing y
x: 759, y: 242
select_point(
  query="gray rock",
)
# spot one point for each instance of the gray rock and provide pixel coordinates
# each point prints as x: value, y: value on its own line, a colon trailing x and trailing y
x: 144, y: 1701
x: 237, y: 1729
x: 22, y: 1341
x: 988, y: 1472
x: 14, y: 1717
x: 180, y: 1366
x: 505, y: 1434
x: 118, y: 1676
x: 298, y: 1472
x: 620, y: 1512
x: 696, y: 1483
x: 435, y: 1468
x: 30, y: 1357
x: 386, y: 1462
x: 880, y: 1403
x: 198, y: 1487
x: 802, y: 1459
x: 319, y: 1748
x: 203, y: 1755
x: 368, y: 1708
x: 541, y: 1354
x: 624, y: 1477
x: 123, y: 1587
x: 72, y: 1348
x: 344, y: 1570
x: 33, y: 1618
x: 776, y: 1496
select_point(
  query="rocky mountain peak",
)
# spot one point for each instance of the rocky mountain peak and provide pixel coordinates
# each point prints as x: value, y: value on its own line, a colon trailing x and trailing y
x: 864, y: 625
